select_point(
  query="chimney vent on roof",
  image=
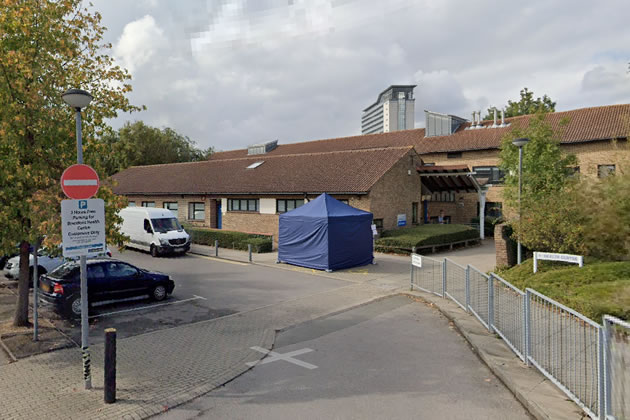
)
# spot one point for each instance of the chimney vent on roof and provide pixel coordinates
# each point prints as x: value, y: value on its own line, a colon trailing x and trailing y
x: 503, y: 117
x: 262, y: 148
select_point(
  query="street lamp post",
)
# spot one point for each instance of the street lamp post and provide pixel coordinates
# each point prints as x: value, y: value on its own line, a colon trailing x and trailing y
x: 78, y: 99
x: 520, y: 143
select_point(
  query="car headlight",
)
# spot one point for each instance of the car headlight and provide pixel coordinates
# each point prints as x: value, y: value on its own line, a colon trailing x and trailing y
x: 164, y: 241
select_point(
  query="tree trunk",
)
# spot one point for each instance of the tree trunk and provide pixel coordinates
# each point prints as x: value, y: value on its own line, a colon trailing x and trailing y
x: 21, y: 309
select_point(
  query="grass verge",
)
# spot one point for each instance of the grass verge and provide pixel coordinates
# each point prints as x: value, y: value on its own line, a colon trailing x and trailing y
x: 597, y: 289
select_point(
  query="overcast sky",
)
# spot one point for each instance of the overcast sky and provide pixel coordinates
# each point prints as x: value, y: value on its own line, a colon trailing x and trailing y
x: 232, y: 73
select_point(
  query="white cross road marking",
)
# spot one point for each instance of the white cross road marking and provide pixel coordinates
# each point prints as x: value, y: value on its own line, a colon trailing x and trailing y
x: 78, y: 182
x: 287, y: 357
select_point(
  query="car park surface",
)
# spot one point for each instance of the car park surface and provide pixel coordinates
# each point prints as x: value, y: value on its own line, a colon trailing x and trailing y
x: 206, y: 288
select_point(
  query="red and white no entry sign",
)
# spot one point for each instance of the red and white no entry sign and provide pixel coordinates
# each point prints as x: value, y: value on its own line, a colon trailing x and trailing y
x: 79, y: 182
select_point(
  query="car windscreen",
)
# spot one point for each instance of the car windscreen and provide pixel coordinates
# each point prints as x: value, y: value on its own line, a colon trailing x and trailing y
x: 166, y: 225
x: 65, y: 271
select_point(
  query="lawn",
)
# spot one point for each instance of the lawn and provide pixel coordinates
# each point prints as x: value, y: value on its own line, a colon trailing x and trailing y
x: 406, y: 238
x: 596, y: 289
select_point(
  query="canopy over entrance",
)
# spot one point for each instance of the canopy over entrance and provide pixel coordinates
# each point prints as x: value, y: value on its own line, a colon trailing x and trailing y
x: 457, y: 178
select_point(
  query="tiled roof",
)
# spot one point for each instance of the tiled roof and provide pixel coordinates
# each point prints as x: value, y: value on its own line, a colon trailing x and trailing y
x: 585, y: 124
x: 352, y: 171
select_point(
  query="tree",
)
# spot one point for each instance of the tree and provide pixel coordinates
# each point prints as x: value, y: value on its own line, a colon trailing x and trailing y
x: 545, y: 167
x: 47, y: 47
x: 546, y: 174
x: 139, y: 144
x: 526, y: 105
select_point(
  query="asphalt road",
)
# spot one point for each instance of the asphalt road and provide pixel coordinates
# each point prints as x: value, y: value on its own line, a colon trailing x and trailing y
x: 205, y: 288
x: 392, y: 359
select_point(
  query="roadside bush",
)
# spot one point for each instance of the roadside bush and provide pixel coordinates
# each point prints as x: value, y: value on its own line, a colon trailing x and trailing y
x: 406, y: 238
x: 230, y: 239
x: 489, y: 224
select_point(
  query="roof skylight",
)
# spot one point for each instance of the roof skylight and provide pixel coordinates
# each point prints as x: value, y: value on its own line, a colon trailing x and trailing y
x: 255, y: 165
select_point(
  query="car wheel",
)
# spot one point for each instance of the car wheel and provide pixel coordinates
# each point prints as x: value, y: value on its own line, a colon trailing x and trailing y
x: 154, y: 251
x: 73, y: 308
x: 158, y: 293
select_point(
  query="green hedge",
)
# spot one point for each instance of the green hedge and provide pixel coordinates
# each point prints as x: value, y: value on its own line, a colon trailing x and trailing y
x: 489, y: 223
x: 230, y: 239
x: 406, y: 238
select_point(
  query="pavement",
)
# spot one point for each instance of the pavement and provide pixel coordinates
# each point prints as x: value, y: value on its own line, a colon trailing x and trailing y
x: 164, y: 368
x: 391, y: 359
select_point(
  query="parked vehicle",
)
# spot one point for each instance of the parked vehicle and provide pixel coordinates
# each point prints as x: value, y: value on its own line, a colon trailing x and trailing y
x: 45, y: 264
x: 155, y: 230
x: 108, y: 279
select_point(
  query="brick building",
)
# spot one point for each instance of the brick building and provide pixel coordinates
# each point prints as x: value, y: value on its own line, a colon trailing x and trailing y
x: 388, y: 174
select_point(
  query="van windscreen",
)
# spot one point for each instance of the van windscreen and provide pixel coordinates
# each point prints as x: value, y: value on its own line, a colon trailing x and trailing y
x: 166, y: 225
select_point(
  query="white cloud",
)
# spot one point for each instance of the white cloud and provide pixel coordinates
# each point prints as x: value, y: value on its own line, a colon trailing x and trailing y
x: 231, y: 73
x: 139, y: 42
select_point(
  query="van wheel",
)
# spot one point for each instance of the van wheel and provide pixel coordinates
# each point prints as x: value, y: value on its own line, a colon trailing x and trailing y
x: 158, y: 293
x: 154, y: 251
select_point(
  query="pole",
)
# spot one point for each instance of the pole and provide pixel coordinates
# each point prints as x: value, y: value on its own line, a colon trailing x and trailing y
x: 520, y: 191
x: 35, y: 290
x: 110, y: 366
x: 85, y: 328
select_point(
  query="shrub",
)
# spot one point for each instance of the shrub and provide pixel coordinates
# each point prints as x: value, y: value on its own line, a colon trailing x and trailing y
x: 407, y: 238
x: 231, y: 239
x: 489, y: 224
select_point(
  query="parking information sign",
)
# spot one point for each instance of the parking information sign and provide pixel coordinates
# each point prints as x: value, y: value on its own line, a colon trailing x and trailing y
x: 83, y: 227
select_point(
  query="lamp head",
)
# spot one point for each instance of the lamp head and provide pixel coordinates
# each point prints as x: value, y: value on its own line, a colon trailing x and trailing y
x: 77, y: 98
x: 520, y: 142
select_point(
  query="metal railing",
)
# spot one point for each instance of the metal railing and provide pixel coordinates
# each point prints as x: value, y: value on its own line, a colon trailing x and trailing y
x: 565, y: 346
x: 429, y: 277
x: 509, y: 314
x: 588, y: 362
x: 455, y: 287
x: 616, y: 334
x: 479, y: 291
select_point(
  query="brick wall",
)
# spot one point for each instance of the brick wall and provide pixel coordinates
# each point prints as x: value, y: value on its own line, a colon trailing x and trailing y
x: 504, y: 247
x: 395, y: 191
x: 251, y: 222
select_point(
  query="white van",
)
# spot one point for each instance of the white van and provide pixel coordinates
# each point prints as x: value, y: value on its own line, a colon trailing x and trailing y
x: 155, y: 230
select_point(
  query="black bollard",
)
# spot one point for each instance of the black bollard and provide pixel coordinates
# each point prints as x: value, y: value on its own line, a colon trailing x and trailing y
x: 110, y: 365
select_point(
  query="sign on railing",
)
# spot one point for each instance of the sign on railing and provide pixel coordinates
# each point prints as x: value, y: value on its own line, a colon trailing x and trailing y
x: 416, y: 260
x: 551, y: 256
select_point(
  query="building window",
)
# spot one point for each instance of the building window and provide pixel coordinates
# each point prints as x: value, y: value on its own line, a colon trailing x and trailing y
x: 414, y: 213
x: 402, y: 111
x: 378, y: 223
x: 131, y: 204
x: 605, y: 170
x: 454, y: 155
x: 172, y: 206
x: 196, y: 211
x: 493, y: 173
x: 148, y: 204
x: 243, y: 204
x: 282, y: 205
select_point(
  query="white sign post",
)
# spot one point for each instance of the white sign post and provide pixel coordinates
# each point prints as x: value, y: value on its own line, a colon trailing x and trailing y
x: 83, y: 227
x: 550, y: 256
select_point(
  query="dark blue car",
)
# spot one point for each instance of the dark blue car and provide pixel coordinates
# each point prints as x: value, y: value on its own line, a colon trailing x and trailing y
x: 108, y: 279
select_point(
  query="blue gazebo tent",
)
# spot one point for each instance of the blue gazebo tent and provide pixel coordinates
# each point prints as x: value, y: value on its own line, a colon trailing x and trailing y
x: 326, y: 234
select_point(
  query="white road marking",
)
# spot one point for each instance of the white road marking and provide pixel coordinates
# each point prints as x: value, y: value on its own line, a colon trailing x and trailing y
x: 287, y: 357
x: 78, y: 182
x: 148, y: 306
